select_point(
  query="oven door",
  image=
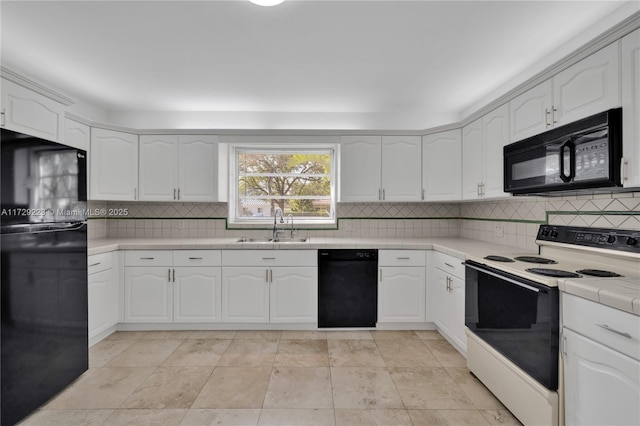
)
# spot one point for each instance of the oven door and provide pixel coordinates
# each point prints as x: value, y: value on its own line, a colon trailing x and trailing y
x: 517, y: 317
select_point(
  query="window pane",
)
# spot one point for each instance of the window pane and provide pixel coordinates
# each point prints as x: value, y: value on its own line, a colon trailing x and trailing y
x: 298, y: 182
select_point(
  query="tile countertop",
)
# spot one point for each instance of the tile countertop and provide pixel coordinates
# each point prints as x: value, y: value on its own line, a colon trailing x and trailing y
x: 623, y: 294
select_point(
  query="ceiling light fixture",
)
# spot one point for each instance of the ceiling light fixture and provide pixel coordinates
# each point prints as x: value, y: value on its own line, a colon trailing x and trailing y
x: 266, y: 2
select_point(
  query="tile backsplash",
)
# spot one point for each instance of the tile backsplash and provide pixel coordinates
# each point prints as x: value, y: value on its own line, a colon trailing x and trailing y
x: 512, y: 221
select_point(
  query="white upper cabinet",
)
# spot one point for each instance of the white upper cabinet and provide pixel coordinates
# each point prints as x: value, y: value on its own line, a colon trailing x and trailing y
x: 360, y: 171
x: 586, y: 88
x: 631, y: 110
x: 76, y: 134
x: 530, y: 113
x: 482, y: 155
x: 158, y: 174
x: 202, y: 168
x: 495, y: 134
x: 28, y: 112
x: 374, y: 168
x: 401, y: 168
x: 114, y: 165
x: 181, y: 168
x: 472, y: 164
x: 442, y: 166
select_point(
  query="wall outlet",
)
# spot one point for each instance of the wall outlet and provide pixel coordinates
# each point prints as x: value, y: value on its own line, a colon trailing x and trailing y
x: 498, y: 231
x: 348, y: 225
x: 181, y: 224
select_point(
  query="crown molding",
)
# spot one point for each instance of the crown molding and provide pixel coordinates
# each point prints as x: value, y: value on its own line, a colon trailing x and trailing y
x: 27, y: 83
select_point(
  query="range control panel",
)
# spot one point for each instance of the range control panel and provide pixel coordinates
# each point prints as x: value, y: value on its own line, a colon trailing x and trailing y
x: 611, y: 239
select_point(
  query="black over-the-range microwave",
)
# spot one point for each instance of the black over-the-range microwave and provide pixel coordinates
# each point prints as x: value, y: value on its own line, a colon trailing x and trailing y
x: 583, y: 155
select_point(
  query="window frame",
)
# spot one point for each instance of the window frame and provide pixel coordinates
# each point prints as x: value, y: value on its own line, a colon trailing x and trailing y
x: 233, y: 206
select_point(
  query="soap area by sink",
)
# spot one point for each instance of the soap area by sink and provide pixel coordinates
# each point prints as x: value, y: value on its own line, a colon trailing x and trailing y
x: 267, y: 240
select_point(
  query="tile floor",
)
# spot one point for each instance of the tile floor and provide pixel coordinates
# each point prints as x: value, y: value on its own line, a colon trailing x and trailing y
x: 274, y: 378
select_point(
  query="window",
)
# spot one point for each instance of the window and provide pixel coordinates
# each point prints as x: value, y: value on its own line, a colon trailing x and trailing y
x: 298, y: 180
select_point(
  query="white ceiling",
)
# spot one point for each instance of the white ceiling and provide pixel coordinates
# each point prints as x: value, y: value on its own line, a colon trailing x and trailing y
x: 302, y: 64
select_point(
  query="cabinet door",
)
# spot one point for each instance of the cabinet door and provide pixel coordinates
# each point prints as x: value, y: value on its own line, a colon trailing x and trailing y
x: 158, y: 177
x: 588, y: 87
x: 31, y: 113
x: 440, y: 299
x: 602, y: 386
x: 76, y: 134
x: 114, y: 165
x: 360, y: 168
x: 102, y: 302
x: 401, y: 294
x: 198, y: 170
x: 245, y: 295
x: 472, y: 160
x: 196, y: 294
x: 147, y: 296
x: 442, y: 166
x: 495, y: 133
x: 631, y: 109
x: 401, y: 168
x: 455, y: 319
x: 293, y: 294
x: 530, y: 113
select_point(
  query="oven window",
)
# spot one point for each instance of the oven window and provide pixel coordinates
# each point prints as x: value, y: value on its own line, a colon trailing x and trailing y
x: 519, y: 321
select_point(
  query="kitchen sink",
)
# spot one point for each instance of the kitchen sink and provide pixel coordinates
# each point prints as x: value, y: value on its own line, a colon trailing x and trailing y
x: 255, y: 240
x: 272, y: 240
x: 291, y: 240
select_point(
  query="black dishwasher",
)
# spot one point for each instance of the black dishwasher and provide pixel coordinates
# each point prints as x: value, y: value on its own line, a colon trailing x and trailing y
x: 347, y: 288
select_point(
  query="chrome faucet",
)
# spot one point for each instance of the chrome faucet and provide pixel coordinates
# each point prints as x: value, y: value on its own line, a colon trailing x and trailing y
x: 277, y: 232
x: 293, y: 231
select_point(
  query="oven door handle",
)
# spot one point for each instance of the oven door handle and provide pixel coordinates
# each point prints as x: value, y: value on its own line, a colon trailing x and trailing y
x: 502, y: 277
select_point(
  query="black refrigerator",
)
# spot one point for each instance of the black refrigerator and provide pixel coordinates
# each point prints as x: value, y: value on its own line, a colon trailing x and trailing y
x: 43, y: 244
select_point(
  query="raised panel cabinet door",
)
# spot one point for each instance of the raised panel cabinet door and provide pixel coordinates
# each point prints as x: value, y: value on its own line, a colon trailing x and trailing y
x: 147, y: 294
x: 197, y: 294
x: 76, y: 134
x: 631, y: 109
x: 530, y: 113
x: 401, y: 294
x: 588, y: 87
x: 198, y: 172
x: 360, y: 168
x: 114, y: 165
x: 495, y: 131
x: 293, y: 295
x: 158, y: 174
x: 472, y: 160
x: 442, y: 166
x: 31, y: 113
x: 456, y: 314
x: 245, y: 295
x: 101, y: 299
x: 602, y: 386
x: 401, y: 168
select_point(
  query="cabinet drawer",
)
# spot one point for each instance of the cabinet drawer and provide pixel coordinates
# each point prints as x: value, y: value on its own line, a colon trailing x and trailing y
x: 449, y: 264
x: 148, y: 258
x: 269, y: 258
x: 602, y: 324
x: 196, y: 258
x: 402, y: 258
x: 99, y: 262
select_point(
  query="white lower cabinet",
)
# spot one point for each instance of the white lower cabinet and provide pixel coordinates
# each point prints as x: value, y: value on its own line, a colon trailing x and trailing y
x: 164, y: 286
x: 102, y: 295
x: 401, y: 286
x: 447, y: 292
x: 293, y: 295
x: 601, y: 355
x: 147, y: 295
x: 269, y: 286
x: 245, y: 294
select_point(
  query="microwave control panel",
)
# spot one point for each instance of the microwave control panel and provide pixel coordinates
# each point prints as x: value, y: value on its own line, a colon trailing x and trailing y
x: 592, y: 160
